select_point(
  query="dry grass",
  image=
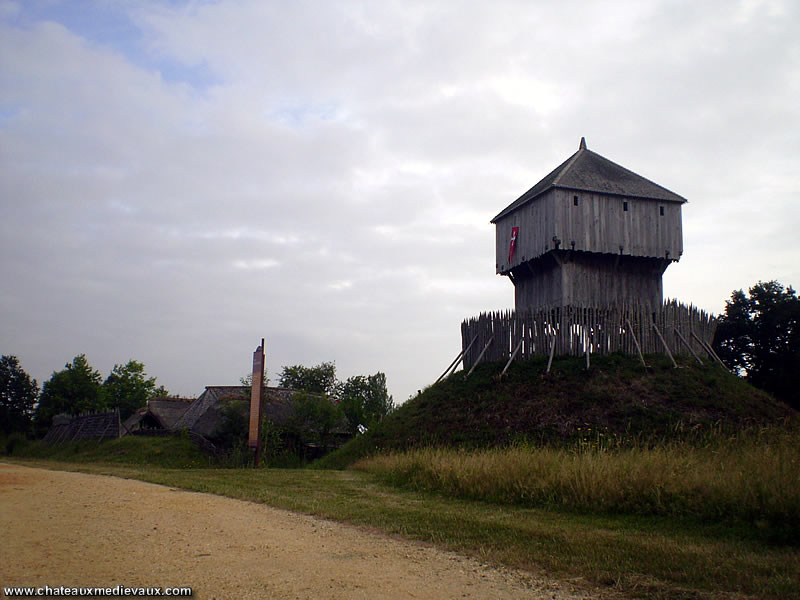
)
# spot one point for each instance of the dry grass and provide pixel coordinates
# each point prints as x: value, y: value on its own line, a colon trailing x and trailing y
x: 752, y: 477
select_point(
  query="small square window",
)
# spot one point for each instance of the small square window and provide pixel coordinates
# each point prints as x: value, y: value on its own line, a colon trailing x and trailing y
x: 625, y: 206
x: 574, y: 201
x: 661, y: 210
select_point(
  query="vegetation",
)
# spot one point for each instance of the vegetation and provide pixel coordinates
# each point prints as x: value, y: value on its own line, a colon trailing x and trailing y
x: 752, y: 477
x: 759, y: 337
x: 129, y: 388
x: 18, y: 394
x: 79, y: 388
x: 75, y: 389
x: 173, y: 452
x: 362, y: 400
x: 320, y: 379
x: 617, y: 398
x: 365, y: 401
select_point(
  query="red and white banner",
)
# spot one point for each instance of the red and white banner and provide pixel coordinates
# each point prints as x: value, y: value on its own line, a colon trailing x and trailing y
x: 513, y: 246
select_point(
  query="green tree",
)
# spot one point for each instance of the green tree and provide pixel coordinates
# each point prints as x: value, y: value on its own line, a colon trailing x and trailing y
x: 75, y: 389
x: 17, y: 396
x: 313, y: 418
x: 759, y: 338
x: 129, y: 388
x: 365, y: 400
x: 315, y: 380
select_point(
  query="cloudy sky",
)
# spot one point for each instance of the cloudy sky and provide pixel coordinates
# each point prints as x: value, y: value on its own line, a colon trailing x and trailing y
x: 181, y: 178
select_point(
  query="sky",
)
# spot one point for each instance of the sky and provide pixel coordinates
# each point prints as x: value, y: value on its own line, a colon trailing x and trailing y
x: 179, y: 179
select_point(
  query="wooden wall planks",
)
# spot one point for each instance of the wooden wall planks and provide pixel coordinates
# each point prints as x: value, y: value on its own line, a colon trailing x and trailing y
x: 599, y: 223
x: 578, y: 328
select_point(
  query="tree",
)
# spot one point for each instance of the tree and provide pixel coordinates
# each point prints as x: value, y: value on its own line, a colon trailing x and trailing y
x: 312, y: 419
x: 365, y: 400
x: 315, y: 380
x: 17, y: 396
x: 129, y: 388
x: 759, y: 337
x: 73, y: 390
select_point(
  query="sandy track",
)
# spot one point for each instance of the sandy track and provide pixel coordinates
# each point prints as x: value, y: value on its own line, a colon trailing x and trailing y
x: 73, y: 529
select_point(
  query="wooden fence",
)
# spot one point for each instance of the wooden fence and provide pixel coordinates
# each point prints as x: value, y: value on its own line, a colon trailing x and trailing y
x: 580, y: 330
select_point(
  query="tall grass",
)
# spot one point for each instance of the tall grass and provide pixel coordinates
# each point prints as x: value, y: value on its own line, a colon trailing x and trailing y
x: 753, y: 477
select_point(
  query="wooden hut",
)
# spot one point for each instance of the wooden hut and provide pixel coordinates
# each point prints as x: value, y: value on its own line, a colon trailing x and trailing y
x: 590, y: 233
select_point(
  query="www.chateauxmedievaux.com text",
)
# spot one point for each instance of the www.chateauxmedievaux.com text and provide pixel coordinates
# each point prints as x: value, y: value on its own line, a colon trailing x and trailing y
x: 100, y: 591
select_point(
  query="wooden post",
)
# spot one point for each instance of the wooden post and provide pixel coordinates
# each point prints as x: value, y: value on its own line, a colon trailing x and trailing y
x: 454, y: 365
x: 254, y: 437
x: 661, y: 337
x: 513, y: 354
x: 552, y: 352
x: 635, y: 341
x: 710, y: 351
x: 480, y: 356
x: 683, y: 339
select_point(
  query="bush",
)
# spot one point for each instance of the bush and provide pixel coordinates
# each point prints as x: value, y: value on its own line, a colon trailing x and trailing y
x: 15, y: 441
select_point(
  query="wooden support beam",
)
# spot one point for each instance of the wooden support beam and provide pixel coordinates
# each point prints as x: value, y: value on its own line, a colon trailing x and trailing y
x: 716, y: 356
x: 586, y: 346
x: 513, y: 355
x: 635, y: 341
x: 710, y: 351
x: 454, y: 365
x: 552, y: 352
x: 663, y: 341
x: 480, y: 356
x: 688, y: 345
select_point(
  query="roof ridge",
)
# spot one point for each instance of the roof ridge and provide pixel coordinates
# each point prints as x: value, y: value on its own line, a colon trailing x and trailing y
x: 568, y: 166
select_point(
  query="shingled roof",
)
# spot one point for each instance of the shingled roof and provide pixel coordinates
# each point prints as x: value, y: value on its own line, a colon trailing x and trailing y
x: 587, y: 171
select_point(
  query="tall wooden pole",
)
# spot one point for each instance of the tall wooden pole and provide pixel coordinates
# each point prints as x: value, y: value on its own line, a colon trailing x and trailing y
x: 254, y: 439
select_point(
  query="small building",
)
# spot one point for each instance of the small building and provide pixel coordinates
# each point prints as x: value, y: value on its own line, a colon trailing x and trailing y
x: 160, y: 414
x: 590, y: 233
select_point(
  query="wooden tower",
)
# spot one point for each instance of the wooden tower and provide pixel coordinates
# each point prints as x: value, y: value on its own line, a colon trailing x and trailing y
x: 591, y: 233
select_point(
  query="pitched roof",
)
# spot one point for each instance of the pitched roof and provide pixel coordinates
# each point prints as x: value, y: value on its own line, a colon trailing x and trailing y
x: 168, y: 411
x: 587, y: 171
x: 209, y: 398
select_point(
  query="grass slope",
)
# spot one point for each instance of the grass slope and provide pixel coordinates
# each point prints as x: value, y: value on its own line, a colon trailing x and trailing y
x: 617, y: 397
x: 165, y: 452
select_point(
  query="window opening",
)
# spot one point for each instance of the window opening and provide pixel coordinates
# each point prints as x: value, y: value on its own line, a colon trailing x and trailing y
x: 574, y: 201
x: 661, y: 210
x: 625, y: 206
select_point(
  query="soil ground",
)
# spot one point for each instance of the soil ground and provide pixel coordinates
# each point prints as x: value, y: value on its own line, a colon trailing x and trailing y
x: 73, y: 529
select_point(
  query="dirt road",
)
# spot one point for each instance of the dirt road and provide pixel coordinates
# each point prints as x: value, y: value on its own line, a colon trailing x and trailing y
x: 74, y: 529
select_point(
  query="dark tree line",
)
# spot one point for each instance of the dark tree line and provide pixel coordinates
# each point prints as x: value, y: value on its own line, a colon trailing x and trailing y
x: 759, y: 338
x: 18, y: 393
x: 75, y: 389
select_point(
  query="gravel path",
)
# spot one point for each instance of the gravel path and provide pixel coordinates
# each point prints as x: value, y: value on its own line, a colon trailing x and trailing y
x: 73, y: 529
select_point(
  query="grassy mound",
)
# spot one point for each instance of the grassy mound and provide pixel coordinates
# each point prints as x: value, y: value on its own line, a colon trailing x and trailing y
x: 168, y: 452
x: 615, y: 403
